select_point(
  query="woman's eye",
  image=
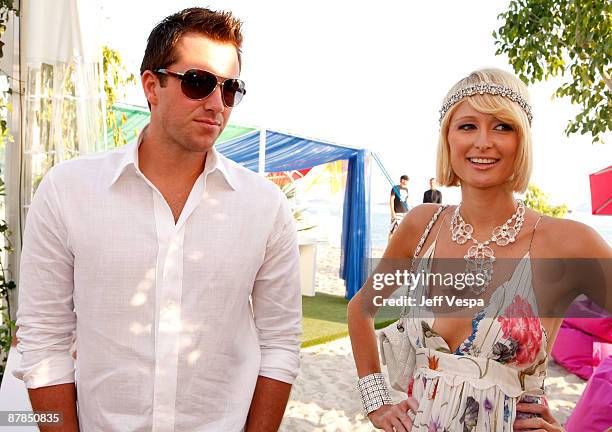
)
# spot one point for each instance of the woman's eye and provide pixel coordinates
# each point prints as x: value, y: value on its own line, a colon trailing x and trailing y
x: 467, y: 126
x: 503, y: 127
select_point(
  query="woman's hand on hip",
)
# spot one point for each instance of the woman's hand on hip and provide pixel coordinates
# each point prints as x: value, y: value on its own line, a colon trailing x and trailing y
x: 394, y: 418
x: 544, y: 423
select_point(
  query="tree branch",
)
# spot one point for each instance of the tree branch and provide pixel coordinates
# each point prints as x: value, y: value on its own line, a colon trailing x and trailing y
x: 607, y: 79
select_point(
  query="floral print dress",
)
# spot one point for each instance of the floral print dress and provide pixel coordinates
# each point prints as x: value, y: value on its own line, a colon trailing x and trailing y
x: 476, y: 387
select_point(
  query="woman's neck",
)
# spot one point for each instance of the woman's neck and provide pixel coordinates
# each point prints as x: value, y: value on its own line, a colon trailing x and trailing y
x: 486, y: 209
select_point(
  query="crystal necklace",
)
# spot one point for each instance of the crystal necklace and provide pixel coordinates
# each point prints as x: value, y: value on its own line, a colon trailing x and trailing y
x: 480, y: 256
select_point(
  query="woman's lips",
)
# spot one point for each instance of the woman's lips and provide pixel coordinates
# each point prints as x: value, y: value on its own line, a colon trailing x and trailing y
x: 482, y: 163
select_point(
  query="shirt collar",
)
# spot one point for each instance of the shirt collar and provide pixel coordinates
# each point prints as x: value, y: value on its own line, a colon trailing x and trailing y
x: 217, y: 162
x: 130, y: 157
x: 214, y: 162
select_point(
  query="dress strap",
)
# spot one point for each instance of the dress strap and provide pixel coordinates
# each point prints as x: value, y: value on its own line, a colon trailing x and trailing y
x: 440, y: 228
x: 417, y: 250
x: 431, y: 223
x: 533, y: 233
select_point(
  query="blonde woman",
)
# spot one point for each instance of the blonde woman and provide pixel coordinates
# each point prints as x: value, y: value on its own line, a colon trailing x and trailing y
x: 485, y: 371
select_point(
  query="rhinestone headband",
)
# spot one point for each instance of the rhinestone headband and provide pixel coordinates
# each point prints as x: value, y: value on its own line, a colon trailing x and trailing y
x: 492, y: 89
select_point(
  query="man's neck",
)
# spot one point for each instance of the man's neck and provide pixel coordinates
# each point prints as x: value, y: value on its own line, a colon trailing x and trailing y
x: 162, y: 161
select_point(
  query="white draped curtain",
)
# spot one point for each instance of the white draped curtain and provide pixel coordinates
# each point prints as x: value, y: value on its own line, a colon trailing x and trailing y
x: 63, y: 103
x: 53, y: 56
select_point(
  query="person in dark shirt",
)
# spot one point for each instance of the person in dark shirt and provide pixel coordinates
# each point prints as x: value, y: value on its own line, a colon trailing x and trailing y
x: 433, y: 195
x: 398, y: 203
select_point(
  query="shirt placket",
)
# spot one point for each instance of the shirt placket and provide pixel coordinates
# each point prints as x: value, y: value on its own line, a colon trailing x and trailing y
x: 169, y: 286
x: 168, y: 290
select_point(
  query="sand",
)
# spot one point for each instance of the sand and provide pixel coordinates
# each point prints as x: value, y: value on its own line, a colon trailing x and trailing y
x: 325, y: 397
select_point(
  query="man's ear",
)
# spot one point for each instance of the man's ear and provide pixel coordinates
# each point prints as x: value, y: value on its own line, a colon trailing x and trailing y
x: 150, y: 85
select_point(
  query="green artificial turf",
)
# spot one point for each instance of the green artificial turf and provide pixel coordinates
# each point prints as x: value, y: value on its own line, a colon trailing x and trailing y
x: 325, y: 318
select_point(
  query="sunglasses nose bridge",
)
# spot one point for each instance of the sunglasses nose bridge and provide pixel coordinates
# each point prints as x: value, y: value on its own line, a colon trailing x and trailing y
x: 217, y: 95
x: 220, y: 85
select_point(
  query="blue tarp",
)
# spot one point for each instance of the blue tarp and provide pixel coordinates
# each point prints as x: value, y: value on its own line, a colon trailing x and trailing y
x: 287, y: 152
x: 356, y: 225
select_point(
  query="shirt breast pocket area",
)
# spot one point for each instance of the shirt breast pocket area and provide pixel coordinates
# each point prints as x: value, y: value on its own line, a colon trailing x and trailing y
x: 115, y: 253
x: 114, y: 267
x: 227, y: 271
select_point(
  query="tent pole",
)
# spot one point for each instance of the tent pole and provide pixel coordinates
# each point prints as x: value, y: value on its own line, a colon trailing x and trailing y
x: 13, y: 63
x: 262, y: 151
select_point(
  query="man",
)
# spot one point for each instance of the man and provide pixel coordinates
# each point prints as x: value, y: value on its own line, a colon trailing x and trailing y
x: 398, y: 203
x: 432, y: 195
x: 185, y: 301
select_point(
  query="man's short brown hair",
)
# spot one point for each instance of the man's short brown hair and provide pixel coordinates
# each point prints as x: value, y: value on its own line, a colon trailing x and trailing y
x: 220, y: 26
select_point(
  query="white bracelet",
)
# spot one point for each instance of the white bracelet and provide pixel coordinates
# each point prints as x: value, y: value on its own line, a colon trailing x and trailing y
x: 374, y: 392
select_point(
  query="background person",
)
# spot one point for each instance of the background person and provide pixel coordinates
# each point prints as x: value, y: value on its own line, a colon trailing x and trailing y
x: 398, y: 203
x: 432, y: 195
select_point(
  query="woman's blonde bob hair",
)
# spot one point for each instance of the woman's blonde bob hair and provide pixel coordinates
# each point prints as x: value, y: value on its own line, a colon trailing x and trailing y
x: 502, y: 108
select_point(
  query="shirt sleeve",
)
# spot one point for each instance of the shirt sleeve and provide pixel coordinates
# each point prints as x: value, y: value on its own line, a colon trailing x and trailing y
x: 277, y: 301
x: 45, y: 314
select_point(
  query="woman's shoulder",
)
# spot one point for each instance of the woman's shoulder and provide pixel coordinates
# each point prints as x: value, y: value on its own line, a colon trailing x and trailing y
x: 566, y: 238
x: 418, y: 217
x: 423, y: 212
x: 406, y: 238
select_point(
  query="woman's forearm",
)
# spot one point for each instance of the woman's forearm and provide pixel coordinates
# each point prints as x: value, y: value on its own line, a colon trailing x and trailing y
x: 363, y: 338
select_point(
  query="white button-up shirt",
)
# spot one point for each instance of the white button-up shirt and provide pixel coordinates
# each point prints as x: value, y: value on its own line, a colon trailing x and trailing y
x: 173, y: 322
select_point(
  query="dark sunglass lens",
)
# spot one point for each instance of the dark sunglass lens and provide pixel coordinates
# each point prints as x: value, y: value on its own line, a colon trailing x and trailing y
x: 233, y: 90
x: 198, y: 84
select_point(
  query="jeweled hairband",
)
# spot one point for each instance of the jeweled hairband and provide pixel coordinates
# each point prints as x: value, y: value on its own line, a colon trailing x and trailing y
x: 492, y: 89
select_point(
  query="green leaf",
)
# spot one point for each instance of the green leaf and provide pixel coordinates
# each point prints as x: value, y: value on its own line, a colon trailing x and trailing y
x: 544, y: 38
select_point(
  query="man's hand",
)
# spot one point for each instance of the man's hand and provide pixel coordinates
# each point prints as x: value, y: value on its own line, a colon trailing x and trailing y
x: 394, y: 418
x: 268, y: 405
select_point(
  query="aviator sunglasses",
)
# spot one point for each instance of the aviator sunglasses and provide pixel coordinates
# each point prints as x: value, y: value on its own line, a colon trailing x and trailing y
x: 198, y: 84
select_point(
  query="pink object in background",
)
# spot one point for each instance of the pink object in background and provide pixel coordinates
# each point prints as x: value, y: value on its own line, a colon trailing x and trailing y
x: 593, y: 412
x: 601, y: 351
x: 573, y: 350
x: 601, y: 191
x: 600, y: 328
x: 582, y: 343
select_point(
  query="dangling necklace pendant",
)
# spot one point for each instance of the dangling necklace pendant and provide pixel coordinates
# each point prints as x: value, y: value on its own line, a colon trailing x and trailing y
x: 480, y: 256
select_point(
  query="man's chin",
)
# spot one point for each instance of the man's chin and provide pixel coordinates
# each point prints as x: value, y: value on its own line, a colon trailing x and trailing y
x: 199, y: 147
x: 202, y: 143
